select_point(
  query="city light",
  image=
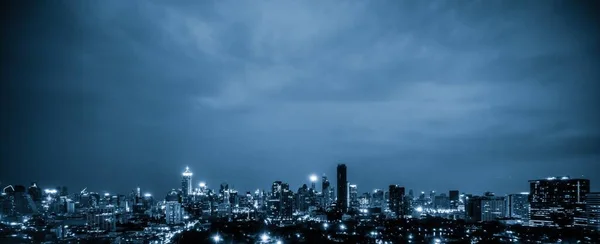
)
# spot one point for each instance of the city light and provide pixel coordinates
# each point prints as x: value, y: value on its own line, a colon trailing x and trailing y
x: 313, y: 178
x: 437, y: 240
x: 342, y: 227
x: 325, y: 225
x: 419, y: 209
x: 50, y: 191
x: 264, y: 237
x: 202, y: 184
x: 187, y: 172
x: 279, y: 242
x: 107, y: 194
x: 217, y: 238
x: 147, y: 195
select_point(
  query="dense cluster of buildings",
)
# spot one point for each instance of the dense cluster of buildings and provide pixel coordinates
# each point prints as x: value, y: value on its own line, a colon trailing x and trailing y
x: 559, y: 202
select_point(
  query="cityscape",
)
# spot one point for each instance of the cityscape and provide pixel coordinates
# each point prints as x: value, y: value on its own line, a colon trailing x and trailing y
x: 556, y: 209
x: 299, y: 121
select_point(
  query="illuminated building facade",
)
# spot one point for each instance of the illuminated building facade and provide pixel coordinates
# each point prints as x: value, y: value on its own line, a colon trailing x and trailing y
x: 173, y: 210
x: 186, y: 182
x: 353, y: 193
x: 342, y: 188
x: 593, y: 210
x: 558, y: 201
x: 485, y: 208
x: 517, y: 206
x: 102, y: 218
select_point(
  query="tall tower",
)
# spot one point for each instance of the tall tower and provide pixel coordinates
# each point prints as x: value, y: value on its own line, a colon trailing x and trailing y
x: 326, y: 191
x: 186, y: 182
x: 342, y: 188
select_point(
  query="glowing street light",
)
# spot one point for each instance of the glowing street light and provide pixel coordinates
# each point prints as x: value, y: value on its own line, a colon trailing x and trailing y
x: 313, y: 178
x: 264, y: 237
x: 342, y: 227
x: 217, y: 238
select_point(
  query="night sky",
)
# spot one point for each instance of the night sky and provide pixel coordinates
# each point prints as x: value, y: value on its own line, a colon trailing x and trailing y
x: 469, y: 95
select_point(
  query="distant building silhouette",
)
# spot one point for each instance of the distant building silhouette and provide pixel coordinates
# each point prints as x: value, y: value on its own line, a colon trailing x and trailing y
x: 342, y: 188
x: 396, y: 200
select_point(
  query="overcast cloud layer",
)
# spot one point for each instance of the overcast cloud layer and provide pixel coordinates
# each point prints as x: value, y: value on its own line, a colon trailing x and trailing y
x: 468, y: 95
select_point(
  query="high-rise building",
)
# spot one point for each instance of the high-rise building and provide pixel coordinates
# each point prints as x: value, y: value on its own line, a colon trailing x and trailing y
x: 592, y: 209
x: 173, y: 209
x: 342, y: 188
x: 517, y: 206
x: 396, y: 200
x: 287, y: 202
x: 327, y: 192
x: 353, y: 193
x: 377, y: 199
x: 274, y: 205
x: 441, y: 202
x: 186, y: 182
x: 453, y: 195
x: 558, y: 201
x: 102, y: 218
x: 485, y: 208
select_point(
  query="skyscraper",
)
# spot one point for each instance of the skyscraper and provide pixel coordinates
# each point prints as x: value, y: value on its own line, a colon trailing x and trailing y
x: 396, y: 200
x: 173, y: 210
x: 593, y: 210
x: 342, y: 188
x: 558, y: 201
x: 453, y: 195
x: 326, y: 193
x: 517, y: 206
x: 485, y: 208
x: 377, y: 199
x: 186, y: 182
x: 353, y: 193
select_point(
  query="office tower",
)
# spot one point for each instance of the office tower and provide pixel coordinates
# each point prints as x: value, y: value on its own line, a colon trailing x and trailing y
x: 441, y: 202
x: 173, y: 210
x: 102, y: 218
x: 353, y: 193
x: 342, y: 188
x: 517, y: 206
x: 326, y: 192
x: 558, y: 201
x: 454, y: 196
x: 485, y: 208
x: 35, y: 193
x: 303, y: 200
x: 364, y: 200
x: 378, y: 201
x: 592, y: 209
x: 287, y: 202
x: 396, y: 198
x: 186, y: 182
x: 22, y: 201
x: 274, y: 202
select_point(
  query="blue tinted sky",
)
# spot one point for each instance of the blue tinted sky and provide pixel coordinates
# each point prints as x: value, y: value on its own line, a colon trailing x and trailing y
x: 469, y: 95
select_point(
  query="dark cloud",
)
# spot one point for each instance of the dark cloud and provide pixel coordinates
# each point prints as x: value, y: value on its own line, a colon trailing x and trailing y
x: 479, y: 95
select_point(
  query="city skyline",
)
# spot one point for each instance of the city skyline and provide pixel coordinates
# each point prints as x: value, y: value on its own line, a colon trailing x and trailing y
x: 478, y: 96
